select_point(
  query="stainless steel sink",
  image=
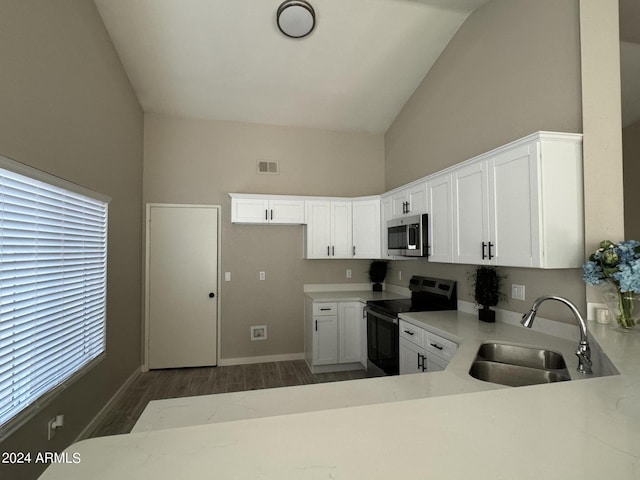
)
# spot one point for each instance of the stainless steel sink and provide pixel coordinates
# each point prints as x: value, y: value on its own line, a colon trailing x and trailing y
x: 518, y: 366
x: 522, y: 356
x: 514, y: 375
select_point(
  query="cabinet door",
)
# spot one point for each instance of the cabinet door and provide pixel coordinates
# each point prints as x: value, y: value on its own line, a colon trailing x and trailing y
x: 399, y: 204
x: 325, y: 340
x: 249, y: 210
x: 417, y: 198
x: 513, y: 207
x: 341, y: 238
x: 412, y: 358
x: 349, y: 332
x: 471, y: 225
x: 435, y: 364
x: 366, y: 228
x: 318, y: 233
x: 286, y: 211
x: 440, y: 208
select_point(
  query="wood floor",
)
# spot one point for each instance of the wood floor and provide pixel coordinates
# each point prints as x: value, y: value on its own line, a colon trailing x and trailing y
x: 185, y: 382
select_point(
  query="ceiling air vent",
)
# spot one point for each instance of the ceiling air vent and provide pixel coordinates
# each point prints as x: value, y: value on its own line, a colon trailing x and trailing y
x: 268, y: 167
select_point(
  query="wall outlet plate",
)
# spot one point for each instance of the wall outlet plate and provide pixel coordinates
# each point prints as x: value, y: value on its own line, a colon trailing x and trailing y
x: 258, y: 332
x: 517, y: 292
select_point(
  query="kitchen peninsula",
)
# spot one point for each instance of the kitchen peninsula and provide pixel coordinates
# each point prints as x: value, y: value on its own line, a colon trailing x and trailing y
x: 443, y: 425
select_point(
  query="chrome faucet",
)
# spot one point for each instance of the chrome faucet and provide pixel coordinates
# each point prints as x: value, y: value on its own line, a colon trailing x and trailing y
x: 584, y: 352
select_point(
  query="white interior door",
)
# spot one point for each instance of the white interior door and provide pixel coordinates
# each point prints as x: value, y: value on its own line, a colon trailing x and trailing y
x: 182, y: 285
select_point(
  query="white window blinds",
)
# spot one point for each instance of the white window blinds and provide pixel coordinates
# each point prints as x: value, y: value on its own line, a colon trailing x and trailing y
x: 53, y: 265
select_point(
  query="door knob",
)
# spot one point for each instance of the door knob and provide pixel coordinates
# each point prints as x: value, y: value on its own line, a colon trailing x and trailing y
x: 211, y: 295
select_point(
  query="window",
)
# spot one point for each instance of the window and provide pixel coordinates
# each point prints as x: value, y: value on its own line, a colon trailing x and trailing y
x: 53, y: 265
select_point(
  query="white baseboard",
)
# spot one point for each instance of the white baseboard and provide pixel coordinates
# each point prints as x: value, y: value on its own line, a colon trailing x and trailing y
x: 225, y: 362
x: 102, y: 414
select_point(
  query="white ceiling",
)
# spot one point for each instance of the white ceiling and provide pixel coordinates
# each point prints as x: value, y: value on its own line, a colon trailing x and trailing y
x: 226, y: 59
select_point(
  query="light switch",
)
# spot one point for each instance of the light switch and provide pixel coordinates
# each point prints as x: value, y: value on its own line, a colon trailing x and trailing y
x: 227, y: 276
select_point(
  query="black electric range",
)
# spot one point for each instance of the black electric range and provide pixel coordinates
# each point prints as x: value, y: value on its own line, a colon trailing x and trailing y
x: 427, y: 294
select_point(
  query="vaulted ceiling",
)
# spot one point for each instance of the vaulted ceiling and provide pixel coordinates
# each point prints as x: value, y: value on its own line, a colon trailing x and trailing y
x: 227, y: 60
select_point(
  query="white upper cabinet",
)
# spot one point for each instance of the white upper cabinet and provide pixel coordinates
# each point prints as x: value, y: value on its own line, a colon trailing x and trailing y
x: 521, y: 205
x: 411, y: 200
x: 471, y: 214
x: 329, y: 230
x: 266, y: 209
x: 440, y: 208
x: 366, y: 228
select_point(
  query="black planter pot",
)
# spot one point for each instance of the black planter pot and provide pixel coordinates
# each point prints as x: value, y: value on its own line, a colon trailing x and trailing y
x: 485, y: 314
x: 377, y: 287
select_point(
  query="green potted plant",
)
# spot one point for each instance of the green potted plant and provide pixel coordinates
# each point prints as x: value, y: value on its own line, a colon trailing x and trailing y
x: 486, y: 291
x: 377, y: 273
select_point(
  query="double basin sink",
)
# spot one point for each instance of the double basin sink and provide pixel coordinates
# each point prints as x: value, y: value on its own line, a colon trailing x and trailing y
x: 518, y: 366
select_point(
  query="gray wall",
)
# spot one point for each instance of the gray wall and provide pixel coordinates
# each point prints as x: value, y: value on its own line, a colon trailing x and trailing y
x: 66, y: 107
x: 513, y: 68
x: 631, y: 151
x: 199, y: 161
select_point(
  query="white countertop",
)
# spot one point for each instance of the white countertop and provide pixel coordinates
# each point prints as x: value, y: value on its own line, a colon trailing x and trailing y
x: 443, y: 425
x: 353, y: 296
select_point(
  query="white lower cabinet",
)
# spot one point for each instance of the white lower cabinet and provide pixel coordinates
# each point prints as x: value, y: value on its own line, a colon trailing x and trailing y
x: 349, y: 332
x: 334, y: 336
x: 423, y: 351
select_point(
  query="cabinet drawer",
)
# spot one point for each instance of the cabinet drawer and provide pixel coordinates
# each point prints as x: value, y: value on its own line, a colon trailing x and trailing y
x: 320, y: 309
x: 439, y: 346
x: 411, y: 333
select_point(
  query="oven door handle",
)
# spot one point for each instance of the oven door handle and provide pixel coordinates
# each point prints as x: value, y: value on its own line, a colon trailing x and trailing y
x: 381, y: 316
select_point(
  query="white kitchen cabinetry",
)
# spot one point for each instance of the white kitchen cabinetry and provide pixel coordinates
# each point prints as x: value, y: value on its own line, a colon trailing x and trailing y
x: 334, y: 336
x: 266, y: 209
x: 349, y: 332
x: 422, y: 350
x: 329, y: 229
x: 412, y: 352
x: 366, y: 228
x: 411, y: 200
x: 440, y: 208
x: 521, y: 205
x: 325, y: 333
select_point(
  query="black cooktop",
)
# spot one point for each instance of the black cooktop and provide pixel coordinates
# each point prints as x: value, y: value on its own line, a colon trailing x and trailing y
x: 427, y: 294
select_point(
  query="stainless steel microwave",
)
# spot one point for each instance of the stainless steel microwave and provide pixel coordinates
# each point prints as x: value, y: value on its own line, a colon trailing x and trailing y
x: 408, y: 236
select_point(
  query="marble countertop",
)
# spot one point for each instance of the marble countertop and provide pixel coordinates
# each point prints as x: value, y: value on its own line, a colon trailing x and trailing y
x: 443, y: 425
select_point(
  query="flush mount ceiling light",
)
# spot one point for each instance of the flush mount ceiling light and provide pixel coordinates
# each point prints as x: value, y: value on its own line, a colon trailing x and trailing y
x: 296, y: 18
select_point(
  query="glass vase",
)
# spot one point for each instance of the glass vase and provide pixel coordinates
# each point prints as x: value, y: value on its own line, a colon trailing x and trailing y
x: 624, y: 307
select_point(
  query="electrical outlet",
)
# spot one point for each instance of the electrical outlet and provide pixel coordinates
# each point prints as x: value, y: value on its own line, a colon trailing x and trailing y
x: 348, y: 273
x: 517, y: 292
x: 262, y: 275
